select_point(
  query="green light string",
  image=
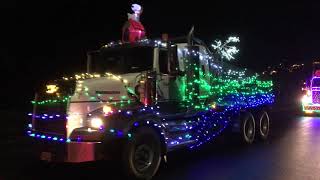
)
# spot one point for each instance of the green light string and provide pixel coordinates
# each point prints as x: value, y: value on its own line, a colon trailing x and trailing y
x: 64, y: 99
x: 228, y: 83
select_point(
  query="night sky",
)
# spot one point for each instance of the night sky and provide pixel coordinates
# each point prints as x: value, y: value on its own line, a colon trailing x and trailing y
x: 46, y: 39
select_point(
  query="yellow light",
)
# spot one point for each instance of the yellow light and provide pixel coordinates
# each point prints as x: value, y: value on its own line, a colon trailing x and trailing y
x: 213, y: 106
x: 115, y: 77
x: 52, y: 89
x: 308, y: 93
x: 125, y: 81
x: 308, y: 111
x: 77, y: 76
x: 96, y: 122
x: 107, y: 109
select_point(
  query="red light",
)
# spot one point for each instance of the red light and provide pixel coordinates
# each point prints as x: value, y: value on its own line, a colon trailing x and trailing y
x: 317, y: 73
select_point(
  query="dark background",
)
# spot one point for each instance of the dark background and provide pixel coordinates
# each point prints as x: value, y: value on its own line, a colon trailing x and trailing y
x: 43, y: 40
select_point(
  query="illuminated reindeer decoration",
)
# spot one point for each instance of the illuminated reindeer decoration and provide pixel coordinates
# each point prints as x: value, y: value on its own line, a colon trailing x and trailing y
x: 133, y: 30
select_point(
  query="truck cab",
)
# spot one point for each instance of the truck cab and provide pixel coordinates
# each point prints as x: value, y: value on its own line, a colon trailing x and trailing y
x: 147, y: 74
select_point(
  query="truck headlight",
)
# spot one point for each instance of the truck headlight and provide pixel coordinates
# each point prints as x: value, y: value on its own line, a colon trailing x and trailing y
x: 309, y: 93
x: 107, y: 110
x: 306, y: 99
x: 96, y: 122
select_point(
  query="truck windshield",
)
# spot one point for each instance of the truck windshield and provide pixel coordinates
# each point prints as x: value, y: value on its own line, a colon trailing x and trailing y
x: 316, y: 82
x: 123, y: 60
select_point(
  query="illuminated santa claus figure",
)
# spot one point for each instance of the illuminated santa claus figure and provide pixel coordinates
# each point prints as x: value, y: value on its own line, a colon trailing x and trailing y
x: 133, y: 30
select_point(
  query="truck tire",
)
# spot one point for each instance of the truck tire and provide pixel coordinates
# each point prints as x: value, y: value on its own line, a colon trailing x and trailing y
x: 247, y: 130
x: 263, y: 125
x: 142, y: 154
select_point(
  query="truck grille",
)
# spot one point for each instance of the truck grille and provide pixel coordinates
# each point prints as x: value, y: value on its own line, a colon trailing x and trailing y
x: 50, y: 109
x: 51, y: 119
x: 316, y: 97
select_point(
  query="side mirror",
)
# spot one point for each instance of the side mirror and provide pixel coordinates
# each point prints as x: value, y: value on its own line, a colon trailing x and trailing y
x: 151, y: 74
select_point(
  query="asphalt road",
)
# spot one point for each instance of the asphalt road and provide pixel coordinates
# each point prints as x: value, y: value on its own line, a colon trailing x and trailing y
x: 292, y: 152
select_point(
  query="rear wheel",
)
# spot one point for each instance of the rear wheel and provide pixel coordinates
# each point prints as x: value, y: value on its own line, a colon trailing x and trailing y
x: 263, y: 124
x: 142, y: 154
x: 247, y: 128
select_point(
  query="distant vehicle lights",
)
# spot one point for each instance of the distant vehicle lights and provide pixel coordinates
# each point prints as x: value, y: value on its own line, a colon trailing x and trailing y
x: 311, y: 99
x: 306, y: 99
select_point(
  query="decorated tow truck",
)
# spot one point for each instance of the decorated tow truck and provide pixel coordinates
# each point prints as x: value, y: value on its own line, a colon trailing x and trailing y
x: 140, y: 99
x: 311, y: 99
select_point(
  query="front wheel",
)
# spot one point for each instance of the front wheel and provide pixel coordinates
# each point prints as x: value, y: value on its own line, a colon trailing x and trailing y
x: 142, y: 154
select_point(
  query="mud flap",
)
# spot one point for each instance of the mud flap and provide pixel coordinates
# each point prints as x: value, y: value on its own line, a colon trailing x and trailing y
x: 83, y: 152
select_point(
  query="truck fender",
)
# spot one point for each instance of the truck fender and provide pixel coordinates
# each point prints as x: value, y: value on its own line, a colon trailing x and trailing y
x: 153, y: 125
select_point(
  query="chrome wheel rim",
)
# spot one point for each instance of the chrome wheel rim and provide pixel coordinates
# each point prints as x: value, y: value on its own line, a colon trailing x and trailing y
x: 264, y: 125
x: 249, y: 129
x: 143, y: 157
